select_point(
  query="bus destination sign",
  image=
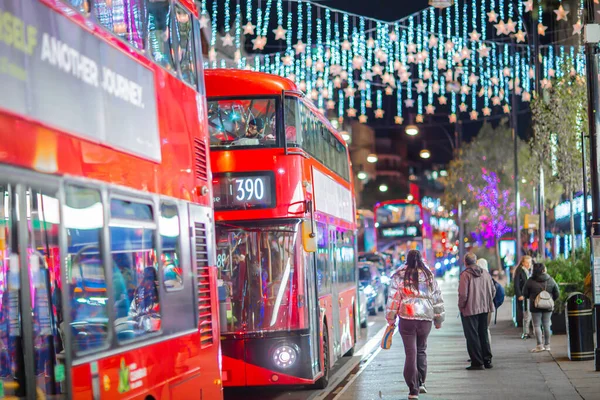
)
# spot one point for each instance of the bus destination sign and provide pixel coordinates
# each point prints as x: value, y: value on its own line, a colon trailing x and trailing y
x: 244, y: 191
x: 400, y: 231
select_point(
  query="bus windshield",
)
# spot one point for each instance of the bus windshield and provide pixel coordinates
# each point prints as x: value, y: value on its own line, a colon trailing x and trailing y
x: 258, y: 269
x: 242, y: 122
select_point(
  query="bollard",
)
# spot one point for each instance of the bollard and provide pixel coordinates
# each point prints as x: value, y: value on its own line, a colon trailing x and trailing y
x: 580, y: 327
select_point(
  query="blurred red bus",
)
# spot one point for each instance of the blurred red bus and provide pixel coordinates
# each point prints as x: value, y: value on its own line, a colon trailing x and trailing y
x: 403, y: 225
x: 107, y: 276
x: 285, y: 227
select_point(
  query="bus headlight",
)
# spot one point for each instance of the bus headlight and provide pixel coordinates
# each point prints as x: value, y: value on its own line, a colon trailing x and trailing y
x: 285, y: 356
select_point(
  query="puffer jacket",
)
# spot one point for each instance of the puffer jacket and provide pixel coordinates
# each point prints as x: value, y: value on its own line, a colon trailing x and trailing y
x: 424, y: 304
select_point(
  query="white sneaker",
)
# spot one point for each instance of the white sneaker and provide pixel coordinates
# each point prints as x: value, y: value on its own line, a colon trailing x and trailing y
x: 413, y: 396
x: 422, y: 389
x: 538, y: 349
x: 547, y: 348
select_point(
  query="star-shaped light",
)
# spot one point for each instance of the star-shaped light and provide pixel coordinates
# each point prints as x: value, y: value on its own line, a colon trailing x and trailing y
x: 577, y: 28
x: 389, y: 91
x: 287, y: 60
x: 420, y: 86
x: 473, y: 79
x: 325, y: 93
x: 362, y: 119
x: 506, y: 72
x: 518, y: 90
x: 337, y: 82
x: 410, y: 59
x: 561, y: 13
x: 409, y: 103
x: 448, y: 75
x: 259, y: 43
x: 481, y: 92
x: 531, y: 73
x: 464, y: 89
x: 379, y: 113
x: 429, y: 109
x: 320, y: 82
x: 368, y: 103
x: 462, y: 107
x: 398, y: 120
x: 520, y: 36
x: 302, y: 86
x: 398, y: 66
x: 362, y: 86
x: 314, y: 94
x: 496, y: 101
x: 551, y: 72
x: 435, y: 88
x: 411, y: 48
x: 300, y: 47
x: 541, y: 28
x: 346, y: 45
x: 351, y: 112
x: 443, y: 100
x: 370, y: 42
x: 421, y: 57
x: 495, y: 81
x: 309, y: 62
x: 492, y: 16
x: 427, y: 74
x: 320, y: 66
x: 237, y: 56
x: 545, y: 84
x: 212, y: 54
x: 330, y: 104
x: 249, y: 28
x: 404, y: 77
x: 279, y: 33
x: 419, y: 119
x: 457, y: 58
x: 387, y: 78
x: 433, y: 41
x: 528, y: 5
x: 506, y: 109
x: 452, y: 118
x: 377, y: 69
x: 474, y: 115
x: 358, y: 62
x: 484, y: 51
x: 475, y: 36
x: 204, y: 21
x: 227, y: 40
x: 511, y: 26
x: 526, y: 96
x: 501, y: 28
x: 442, y: 63
x: 349, y: 91
x: 393, y: 36
x: 449, y: 46
x: 487, y: 111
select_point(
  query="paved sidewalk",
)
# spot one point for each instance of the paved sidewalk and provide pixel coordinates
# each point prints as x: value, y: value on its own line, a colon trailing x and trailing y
x: 517, y: 373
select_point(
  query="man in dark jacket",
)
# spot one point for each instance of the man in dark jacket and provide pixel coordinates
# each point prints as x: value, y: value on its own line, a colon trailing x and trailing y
x: 520, y: 277
x: 476, y: 293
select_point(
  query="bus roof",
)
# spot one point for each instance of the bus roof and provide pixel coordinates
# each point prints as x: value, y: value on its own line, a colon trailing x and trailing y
x: 237, y: 82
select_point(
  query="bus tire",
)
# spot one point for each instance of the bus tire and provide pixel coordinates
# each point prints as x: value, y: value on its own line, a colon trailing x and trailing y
x: 324, y: 380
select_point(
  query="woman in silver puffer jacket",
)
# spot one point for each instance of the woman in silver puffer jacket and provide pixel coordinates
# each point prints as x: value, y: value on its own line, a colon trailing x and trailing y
x: 416, y: 299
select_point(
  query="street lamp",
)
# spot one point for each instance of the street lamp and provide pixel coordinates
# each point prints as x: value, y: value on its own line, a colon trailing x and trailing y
x: 362, y: 175
x: 411, y: 130
x: 383, y: 188
x: 441, y: 3
x: 425, y: 153
x: 372, y: 158
x: 410, y: 197
x: 345, y: 135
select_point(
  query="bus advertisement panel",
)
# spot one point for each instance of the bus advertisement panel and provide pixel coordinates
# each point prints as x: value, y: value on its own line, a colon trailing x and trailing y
x: 284, y: 206
x: 107, y: 267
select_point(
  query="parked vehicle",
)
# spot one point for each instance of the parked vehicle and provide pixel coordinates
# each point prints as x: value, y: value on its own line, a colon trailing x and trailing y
x: 370, y: 281
x: 384, y: 264
x: 362, y: 307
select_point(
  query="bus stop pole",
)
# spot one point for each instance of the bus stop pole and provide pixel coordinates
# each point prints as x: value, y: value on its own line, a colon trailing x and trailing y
x: 592, y: 88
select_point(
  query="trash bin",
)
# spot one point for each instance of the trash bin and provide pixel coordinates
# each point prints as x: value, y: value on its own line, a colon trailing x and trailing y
x: 580, y: 327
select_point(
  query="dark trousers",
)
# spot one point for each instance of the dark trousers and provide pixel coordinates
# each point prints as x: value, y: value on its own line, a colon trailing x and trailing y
x: 478, y: 343
x: 414, y: 336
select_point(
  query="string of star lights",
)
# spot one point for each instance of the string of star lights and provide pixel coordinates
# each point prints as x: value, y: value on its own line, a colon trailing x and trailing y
x: 465, y: 61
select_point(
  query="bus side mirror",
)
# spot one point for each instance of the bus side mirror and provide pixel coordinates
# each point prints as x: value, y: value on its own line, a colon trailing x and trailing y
x: 309, y: 236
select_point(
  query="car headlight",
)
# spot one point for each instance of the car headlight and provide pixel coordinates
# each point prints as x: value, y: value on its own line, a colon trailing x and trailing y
x: 438, y: 265
x: 446, y: 261
x: 385, y: 279
x: 285, y: 356
x: 369, y: 291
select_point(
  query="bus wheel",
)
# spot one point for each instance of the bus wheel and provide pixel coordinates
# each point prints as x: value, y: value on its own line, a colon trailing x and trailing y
x: 324, y: 380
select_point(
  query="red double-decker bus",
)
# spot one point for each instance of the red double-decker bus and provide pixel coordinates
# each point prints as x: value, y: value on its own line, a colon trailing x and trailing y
x: 285, y: 227
x: 403, y: 225
x: 107, y: 268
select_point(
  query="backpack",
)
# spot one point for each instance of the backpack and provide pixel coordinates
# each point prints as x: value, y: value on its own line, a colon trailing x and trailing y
x: 544, y: 300
x: 499, y: 298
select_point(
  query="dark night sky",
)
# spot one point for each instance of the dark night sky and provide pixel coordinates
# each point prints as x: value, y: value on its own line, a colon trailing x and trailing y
x: 385, y: 10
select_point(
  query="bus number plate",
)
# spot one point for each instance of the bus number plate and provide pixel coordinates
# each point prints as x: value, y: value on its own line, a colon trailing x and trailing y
x: 241, y: 192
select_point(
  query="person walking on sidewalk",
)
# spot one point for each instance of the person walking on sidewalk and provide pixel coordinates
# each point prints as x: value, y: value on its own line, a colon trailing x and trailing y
x: 416, y: 299
x: 476, y: 293
x: 539, y: 289
x: 522, y: 273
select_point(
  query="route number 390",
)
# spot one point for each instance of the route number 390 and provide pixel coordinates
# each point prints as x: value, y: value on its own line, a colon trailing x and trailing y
x: 250, y: 189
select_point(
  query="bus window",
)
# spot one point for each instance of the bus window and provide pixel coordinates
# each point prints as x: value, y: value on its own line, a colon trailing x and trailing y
x: 185, y: 51
x: 169, y: 238
x: 249, y: 122
x: 123, y: 18
x: 133, y: 251
x: 323, y: 271
x: 84, y: 220
x: 159, y: 38
x: 290, y: 112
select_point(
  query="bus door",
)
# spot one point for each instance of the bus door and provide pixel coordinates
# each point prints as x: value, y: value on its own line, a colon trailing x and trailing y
x: 32, y: 362
x: 312, y: 304
x: 335, y: 291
